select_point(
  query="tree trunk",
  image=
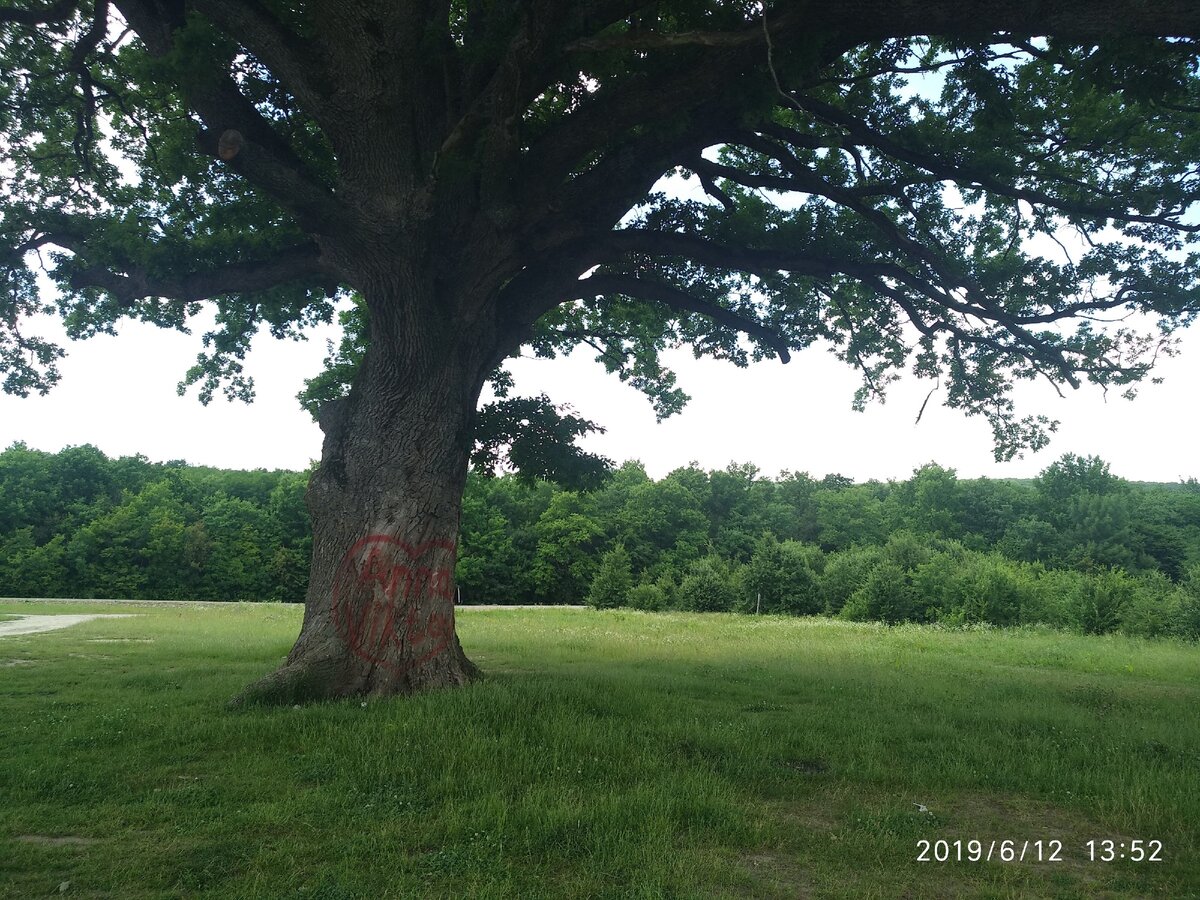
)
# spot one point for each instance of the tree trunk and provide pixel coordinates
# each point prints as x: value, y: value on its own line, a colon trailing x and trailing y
x: 385, y: 506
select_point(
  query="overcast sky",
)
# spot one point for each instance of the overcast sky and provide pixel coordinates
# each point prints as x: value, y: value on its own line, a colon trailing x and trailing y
x: 118, y: 393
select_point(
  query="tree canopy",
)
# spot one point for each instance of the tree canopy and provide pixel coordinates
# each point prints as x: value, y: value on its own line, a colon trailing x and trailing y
x: 939, y: 203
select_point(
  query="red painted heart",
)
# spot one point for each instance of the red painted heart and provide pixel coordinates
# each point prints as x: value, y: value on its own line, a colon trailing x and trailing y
x: 389, y: 608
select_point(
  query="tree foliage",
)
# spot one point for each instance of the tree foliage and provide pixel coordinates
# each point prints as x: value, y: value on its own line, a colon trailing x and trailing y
x: 131, y: 528
x: 977, y: 192
x: 613, y: 580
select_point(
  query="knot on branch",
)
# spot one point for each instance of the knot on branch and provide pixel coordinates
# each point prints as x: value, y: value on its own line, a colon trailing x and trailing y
x: 229, y: 144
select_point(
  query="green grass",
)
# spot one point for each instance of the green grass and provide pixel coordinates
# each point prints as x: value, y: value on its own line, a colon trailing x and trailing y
x: 610, y: 754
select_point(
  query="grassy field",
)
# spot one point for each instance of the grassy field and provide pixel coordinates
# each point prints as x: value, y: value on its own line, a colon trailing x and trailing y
x: 610, y: 754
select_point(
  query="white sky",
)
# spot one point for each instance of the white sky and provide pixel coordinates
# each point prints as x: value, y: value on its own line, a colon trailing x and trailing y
x: 118, y: 393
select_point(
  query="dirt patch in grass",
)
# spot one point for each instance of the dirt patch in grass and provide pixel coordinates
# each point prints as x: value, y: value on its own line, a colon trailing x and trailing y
x: 806, y: 766
x: 778, y: 875
x: 64, y: 840
x: 10, y: 663
x: 36, y: 624
x: 1015, y: 817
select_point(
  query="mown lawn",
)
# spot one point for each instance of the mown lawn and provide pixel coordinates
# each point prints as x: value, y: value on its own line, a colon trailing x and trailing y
x: 612, y: 754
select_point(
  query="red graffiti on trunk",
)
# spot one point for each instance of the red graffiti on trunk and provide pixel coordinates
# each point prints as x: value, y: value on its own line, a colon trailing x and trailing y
x: 376, y: 593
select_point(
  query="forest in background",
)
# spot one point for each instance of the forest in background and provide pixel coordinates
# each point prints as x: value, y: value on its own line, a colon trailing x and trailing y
x: 1077, y: 547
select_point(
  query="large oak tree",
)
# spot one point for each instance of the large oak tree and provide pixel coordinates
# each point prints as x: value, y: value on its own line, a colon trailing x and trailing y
x: 981, y: 191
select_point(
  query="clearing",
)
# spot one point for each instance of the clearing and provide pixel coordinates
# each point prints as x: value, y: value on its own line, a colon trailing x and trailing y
x: 607, y: 754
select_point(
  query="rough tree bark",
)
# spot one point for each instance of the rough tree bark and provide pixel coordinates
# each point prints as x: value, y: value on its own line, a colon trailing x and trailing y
x: 385, y: 505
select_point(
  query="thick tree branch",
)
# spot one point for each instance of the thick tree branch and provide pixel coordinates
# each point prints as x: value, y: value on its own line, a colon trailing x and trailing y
x: 539, y: 289
x: 641, y: 41
x: 769, y: 262
x: 846, y: 24
x: 272, y: 167
x: 625, y: 241
x: 86, y: 115
x: 265, y: 158
x: 711, y: 188
x: 54, y: 14
x: 1086, y: 19
x: 294, y: 264
x: 564, y: 205
x: 803, y: 180
x: 703, y: 98
x: 737, y: 60
x: 294, y: 61
x: 681, y: 301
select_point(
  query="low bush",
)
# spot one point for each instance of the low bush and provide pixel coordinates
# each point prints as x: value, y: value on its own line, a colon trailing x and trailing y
x: 613, y: 580
x: 783, y: 578
x: 886, y: 595
x: 648, y: 596
x: 1099, y: 603
x: 708, y: 586
x: 845, y: 573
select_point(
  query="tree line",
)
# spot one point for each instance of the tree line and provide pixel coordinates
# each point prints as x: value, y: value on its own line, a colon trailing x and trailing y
x: 78, y: 524
x: 1077, y: 547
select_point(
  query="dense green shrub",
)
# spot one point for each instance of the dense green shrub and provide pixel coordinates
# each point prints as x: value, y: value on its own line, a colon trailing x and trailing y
x: 907, y: 550
x: 845, y: 573
x: 1185, y: 619
x: 991, y: 589
x: 613, y: 580
x: 1052, y: 596
x: 784, y: 576
x: 30, y: 570
x: 648, y: 596
x: 1151, y: 609
x: 708, y: 586
x: 1099, y: 602
x: 886, y: 595
x: 959, y: 586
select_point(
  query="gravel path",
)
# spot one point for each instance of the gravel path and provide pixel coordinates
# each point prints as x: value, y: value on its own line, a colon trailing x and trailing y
x: 491, y: 606
x: 219, y: 603
x: 36, y: 624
